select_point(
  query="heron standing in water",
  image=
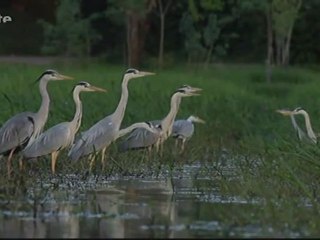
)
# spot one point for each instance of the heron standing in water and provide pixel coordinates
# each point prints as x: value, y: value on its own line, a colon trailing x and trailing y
x: 140, y: 138
x: 104, y: 132
x: 24, y: 127
x: 183, y: 130
x: 62, y: 135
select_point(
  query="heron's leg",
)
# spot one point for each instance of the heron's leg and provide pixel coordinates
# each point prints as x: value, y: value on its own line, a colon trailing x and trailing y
x: 182, y: 145
x: 54, y: 156
x: 9, y: 161
x: 161, y: 149
x: 157, y: 146
x: 92, y: 157
x: 21, y: 163
x: 176, y: 143
x: 149, y: 152
x: 103, y: 152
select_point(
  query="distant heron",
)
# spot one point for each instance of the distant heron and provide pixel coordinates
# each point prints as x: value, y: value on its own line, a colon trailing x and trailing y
x: 104, y: 132
x: 140, y: 138
x: 183, y: 129
x: 310, y: 135
x: 24, y: 127
x: 60, y: 136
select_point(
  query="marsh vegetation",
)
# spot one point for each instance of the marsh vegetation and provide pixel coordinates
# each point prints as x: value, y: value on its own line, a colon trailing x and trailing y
x: 243, y: 173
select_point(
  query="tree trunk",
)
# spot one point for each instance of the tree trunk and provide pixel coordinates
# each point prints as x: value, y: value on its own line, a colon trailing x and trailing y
x: 133, y: 41
x: 269, y: 61
x: 162, y: 21
x: 286, y: 51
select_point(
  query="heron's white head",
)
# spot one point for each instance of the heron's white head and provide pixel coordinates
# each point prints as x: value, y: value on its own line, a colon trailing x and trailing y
x: 154, y: 128
x: 188, y: 91
x: 53, y: 75
x: 296, y: 111
x: 134, y: 73
x: 196, y: 119
x: 87, y: 87
x: 299, y: 110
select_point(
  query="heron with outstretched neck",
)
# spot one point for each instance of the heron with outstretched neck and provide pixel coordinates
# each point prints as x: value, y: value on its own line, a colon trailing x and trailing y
x: 309, y: 135
x: 23, y: 128
x: 97, y: 138
x: 60, y: 136
x: 183, y: 130
x: 140, y: 138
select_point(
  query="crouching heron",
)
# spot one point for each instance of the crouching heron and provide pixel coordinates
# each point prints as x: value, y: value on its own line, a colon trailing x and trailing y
x: 62, y: 135
x: 24, y: 127
x: 139, y: 138
x: 310, y: 135
x: 183, y: 130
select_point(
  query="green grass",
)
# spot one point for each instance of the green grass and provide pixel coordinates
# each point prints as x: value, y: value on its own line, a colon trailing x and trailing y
x: 238, y: 106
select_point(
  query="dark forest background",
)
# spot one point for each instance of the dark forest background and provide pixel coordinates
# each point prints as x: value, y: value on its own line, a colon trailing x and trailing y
x: 165, y: 32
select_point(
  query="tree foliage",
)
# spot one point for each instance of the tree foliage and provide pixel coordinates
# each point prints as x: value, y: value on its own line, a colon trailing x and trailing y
x: 71, y: 34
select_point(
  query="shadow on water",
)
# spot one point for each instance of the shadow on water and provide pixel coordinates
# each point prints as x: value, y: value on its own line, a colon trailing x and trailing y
x: 185, y: 203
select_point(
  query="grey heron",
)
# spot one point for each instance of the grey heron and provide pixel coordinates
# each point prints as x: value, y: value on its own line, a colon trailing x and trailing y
x: 60, y: 136
x: 310, y: 135
x: 147, y: 126
x: 183, y: 129
x: 24, y: 127
x: 140, y: 138
x: 104, y: 132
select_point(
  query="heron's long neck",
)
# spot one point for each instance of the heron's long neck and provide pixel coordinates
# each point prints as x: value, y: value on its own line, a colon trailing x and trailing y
x: 301, y: 133
x: 76, y: 121
x: 124, y: 131
x: 44, y: 108
x: 42, y: 115
x: 167, y: 122
x: 119, y: 112
x: 310, y: 132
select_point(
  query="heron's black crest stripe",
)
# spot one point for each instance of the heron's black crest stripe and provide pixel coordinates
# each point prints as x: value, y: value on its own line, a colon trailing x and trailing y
x: 131, y: 70
x: 49, y: 71
x: 149, y: 124
x: 82, y: 83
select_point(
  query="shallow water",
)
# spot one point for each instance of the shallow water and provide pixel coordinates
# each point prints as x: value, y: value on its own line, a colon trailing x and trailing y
x: 185, y: 204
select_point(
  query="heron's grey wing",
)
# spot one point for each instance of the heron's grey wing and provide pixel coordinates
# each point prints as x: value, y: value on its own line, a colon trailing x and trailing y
x: 182, y: 128
x: 94, y: 139
x: 16, y: 131
x: 138, y: 138
x: 54, y: 139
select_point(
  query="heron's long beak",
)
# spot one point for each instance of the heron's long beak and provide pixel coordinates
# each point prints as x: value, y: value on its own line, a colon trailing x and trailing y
x: 195, y: 91
x: 97, y: 89
x: 199, y: 120
x: 142, y: 74
x: 284, y: 112
x: 64, y: 77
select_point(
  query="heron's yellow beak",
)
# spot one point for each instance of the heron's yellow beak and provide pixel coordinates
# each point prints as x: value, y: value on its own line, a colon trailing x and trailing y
x: 64, y: 77
x: 195, y: 91
x: 97, y: 89
x: 142, y: 74
x: 284, y: 112
x: 201, y: 120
